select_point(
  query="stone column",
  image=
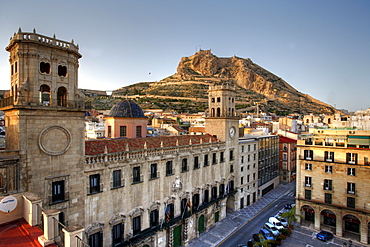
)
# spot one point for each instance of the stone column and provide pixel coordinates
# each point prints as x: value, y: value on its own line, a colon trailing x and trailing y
x: 339, y: 223
x: 363, y: 229
x: 72, y: 235
x: 50, y: 227
x: 317, y: 217
x: 30, y: 208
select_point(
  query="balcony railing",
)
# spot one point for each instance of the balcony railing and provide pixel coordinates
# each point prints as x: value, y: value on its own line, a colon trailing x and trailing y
x: 307, y: 185
x: 351, y: 192
x: 137, y: 179
x: 36, y: 101
x: 114, y: 186
x: 141, y: 235
x: 328, y: 188
x: 150, y: 231
x: 59, y: 199
x: 81, y: 243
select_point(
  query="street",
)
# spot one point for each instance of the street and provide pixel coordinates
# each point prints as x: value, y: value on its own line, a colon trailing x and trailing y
x: 245, y: 232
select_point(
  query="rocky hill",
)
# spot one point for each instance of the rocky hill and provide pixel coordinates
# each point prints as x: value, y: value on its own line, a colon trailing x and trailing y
x: 255, y: 85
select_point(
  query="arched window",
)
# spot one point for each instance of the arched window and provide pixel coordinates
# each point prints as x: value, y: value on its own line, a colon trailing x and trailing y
x: 62, y: 70
x: 62, y: 96
x: 45, y: 68
x: 45, y: 95
x: 218, y: 112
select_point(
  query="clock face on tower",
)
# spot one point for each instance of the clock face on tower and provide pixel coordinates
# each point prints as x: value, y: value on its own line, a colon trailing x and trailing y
x: 232, y: 132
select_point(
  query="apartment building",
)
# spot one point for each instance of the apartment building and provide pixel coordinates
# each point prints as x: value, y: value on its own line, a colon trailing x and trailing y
x: 333, y: 184
x: 248, y: 171
x: 288, y: 160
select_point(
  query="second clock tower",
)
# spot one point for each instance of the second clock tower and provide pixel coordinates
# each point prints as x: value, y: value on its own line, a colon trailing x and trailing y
x: 222, y: 120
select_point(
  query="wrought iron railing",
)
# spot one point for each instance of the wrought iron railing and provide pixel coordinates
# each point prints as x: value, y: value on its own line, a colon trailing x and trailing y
x: 166, y: 224
x: 58, y: 232
x: 81, y: 243
x: 40, y: 217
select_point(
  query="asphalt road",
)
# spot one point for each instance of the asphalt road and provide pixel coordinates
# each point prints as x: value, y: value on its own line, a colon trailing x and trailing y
x: 245, y: 232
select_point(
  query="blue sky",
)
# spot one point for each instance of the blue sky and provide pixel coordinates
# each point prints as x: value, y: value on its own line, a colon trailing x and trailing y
x: 321, y: 48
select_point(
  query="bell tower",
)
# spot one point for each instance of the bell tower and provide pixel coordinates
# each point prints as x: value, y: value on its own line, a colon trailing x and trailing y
x: 222, y: 120
x: 44, y: 119
x: 44, y: 71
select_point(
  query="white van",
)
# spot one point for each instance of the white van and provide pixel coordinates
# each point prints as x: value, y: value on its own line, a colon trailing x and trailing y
x: 276, y: 223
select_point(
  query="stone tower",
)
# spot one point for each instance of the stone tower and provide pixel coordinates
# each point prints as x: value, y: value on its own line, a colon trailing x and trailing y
x: 44, y: 117
x: 223, y: 122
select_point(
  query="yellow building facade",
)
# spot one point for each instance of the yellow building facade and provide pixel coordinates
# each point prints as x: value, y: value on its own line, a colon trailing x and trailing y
x: 333, y: 183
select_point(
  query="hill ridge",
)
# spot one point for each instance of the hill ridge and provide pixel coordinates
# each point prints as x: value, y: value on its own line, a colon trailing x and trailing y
x: 255, y: 84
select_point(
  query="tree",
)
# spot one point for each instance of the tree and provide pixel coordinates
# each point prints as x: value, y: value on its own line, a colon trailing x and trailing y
x: 264, y: 242
x: 291, y: 216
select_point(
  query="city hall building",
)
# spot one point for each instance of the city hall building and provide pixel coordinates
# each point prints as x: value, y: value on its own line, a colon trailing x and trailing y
x: 125, y: 190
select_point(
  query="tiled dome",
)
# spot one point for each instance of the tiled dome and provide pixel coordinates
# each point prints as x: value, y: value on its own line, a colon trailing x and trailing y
x: 126, y: 108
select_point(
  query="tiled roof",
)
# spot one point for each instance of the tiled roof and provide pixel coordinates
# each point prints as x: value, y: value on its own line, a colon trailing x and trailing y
x: 93, y: 147
x: 197, y: 129
x: 287, y: 140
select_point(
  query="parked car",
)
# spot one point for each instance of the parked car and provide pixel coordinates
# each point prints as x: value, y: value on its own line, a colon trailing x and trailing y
x: 271, y: 228
x: 258, y: 238
x: 250, y: 243
x: 266, y: 234
x: 276, y: 223
x: 283, y: 221
x: 288, y: 206
x: 324, y: 236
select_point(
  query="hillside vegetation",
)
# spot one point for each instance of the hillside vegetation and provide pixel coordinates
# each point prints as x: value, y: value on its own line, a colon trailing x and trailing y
x: 186, y: 90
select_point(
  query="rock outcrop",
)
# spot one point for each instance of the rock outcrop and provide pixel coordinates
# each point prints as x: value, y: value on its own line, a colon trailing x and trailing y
x: 203, y: 65
x: 255, y: 84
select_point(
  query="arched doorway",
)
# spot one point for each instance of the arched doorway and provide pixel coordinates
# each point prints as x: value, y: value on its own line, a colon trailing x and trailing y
x: 201, y: 224
x: 328, y: 220
x: 45, y: 95
x: 308, y: 213
x: 62, y: 96
x: 351, y: 227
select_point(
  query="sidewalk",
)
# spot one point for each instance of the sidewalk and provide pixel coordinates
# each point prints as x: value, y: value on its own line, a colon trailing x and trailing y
x: 234, y: 220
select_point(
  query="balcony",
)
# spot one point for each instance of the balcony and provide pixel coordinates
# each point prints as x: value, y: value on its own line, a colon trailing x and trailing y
x: 113, y: 186
x: 36, y: 101
x: 307, y: 185
x: 137, y: 179
x: 59, y: 198
x: 132, y: 240
x: 328, y: 188
x: 351, y: 192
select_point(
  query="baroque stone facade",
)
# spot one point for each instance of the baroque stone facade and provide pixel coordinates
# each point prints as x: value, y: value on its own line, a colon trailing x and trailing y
x: 136, y: 191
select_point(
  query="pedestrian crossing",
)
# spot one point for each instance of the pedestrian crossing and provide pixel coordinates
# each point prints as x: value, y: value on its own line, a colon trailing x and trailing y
x: 291, y: 194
